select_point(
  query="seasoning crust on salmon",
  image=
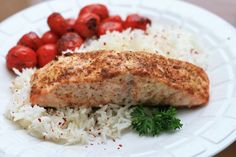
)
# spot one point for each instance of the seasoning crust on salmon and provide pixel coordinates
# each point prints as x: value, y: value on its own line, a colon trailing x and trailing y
x: 125, y: 78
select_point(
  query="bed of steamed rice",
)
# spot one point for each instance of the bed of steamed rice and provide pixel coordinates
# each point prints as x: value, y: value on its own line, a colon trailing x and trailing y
x: 83, y: 125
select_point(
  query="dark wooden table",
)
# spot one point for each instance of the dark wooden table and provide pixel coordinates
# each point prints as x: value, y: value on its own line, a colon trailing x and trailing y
x: 224, y: 8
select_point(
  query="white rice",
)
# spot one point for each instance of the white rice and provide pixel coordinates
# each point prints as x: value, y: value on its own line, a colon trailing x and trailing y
x: 67, y: 125
x: 166, y: 40
x: 83, y: 125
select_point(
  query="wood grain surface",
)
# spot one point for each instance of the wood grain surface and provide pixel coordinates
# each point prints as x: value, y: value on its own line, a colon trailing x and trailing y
x: 223, y: 8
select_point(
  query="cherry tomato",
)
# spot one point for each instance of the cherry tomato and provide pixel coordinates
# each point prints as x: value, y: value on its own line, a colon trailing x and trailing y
x: 70, y: 23
x: 69, y: 41
x: 87, y: 24
x: 30, y: 40
x: 57, y: 23
x: 136, y: 21
x: 49, y: 38
x: 114, y: 18
x: 98, y: 9
x: 46, y: 54
x: 109, y: 26
x: 21, y: 57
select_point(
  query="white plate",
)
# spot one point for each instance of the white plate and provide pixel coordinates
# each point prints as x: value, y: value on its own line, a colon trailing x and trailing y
x: 206, y: 130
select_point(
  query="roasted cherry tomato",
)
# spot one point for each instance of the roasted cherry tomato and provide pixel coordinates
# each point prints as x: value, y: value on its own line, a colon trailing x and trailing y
x: 70, y: 23
x: 114, y: 18
x: 49, y: 38
x: 109, y: 26
x: 46, y: 54
x: 98, y: 9
x: 87, y: 24
x: 57, y: 23
x: 30, y: 40
x: 21, y: 57
x: 136, y: 21
x: 69, y: 41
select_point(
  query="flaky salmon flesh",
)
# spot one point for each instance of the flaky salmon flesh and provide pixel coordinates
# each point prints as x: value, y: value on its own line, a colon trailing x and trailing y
x: 125, y: 78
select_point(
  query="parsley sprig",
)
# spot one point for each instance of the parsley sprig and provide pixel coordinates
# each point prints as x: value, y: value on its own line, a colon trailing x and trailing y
x: 153, y: 121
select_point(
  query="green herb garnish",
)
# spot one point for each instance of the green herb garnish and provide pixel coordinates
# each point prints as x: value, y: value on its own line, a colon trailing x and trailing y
x: 153, y: 121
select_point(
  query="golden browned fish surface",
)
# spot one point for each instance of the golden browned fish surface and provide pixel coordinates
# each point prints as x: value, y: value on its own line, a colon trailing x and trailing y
x: 102, y: 77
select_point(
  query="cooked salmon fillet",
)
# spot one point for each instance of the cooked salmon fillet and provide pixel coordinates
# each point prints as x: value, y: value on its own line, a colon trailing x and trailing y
x: 103, y: 77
